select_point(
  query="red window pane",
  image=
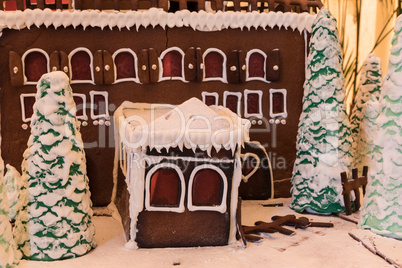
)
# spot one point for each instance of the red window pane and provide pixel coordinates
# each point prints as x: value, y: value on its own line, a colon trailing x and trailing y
x: 213, y: 65
x: 172, y: 64
x: 278, y: 103
x: 35, y: 66
x: 165, y: 188
x: 80, y: 105
x: 253, y: 103
x: 210, y: 100
x: 207, y: 188
x: 125, y: 65
x: 256, y: 63
x: 231, y: 103
x: 10, y: 5
x: 80, y: 66
x: 99, y: 104
x: 28, y: 105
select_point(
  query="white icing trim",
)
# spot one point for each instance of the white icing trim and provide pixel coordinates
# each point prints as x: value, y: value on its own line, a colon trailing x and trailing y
x: 222, y: 207
x: 234, y: 199
x: 246, y: 93
x: 238, y: 95
x: 206, y: 94
x: 135, y: 79
x: 91, y: 81
x: 248, y: 78
x: 84, y: 106
x: 105, y: 94
x: 153, y: 159
x: 305, y: 54
x: 26, y: 82
x: 22, y: 102
x: 202, y: 21
x: 245, y: 178
x: 160, y: 60
x: 223, y: 78
x: 271, y: 112
x: 151, y: 172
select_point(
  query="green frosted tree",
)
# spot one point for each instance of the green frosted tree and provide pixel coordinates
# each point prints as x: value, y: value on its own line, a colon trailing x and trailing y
x: 362, y: 120
x: 382, y: 208
x: 9, y: 256
x: 54, y: 215
x: 323, y: 140
x: 11, y: 180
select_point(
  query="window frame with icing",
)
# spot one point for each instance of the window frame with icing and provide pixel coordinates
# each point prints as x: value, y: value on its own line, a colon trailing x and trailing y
x: 26, y: 82
x: 105, y: 94
x: 91, y: 58
x: 148, y: 177
x: 284, y: 114
x: 248, y: 55
x: 238, y: 95
x: 133, y: 79
x: 22, y: 102
x: 206, y: 94
x: 160, y: 61
x: 84, y: 115
x: 224, y: 75
x: 259, y: 93
x: 222, y: 207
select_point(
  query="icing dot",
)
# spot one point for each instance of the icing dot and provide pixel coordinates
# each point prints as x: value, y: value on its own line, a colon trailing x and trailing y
x: 271, y: 121
x: 96, y: 123
x: 253, y: 122
x: 283, y: 122
x: 24, y: 126
x: 97, y: 69
x: 243, y: 67
x: 277, y: 121
x: 15, y: 69
x: 276, y: 68
x: 260, y: 122
x: 153, y: 66
x: 233, y: 68
x: 107, y: 67
x: 101, y: 122
x: 107, y: 123
x: 85, y: 123
x: 190, y: 66
x: 54, y: 68
x: 65, y: 69
x: 144, y: 67
x: 202, y: 65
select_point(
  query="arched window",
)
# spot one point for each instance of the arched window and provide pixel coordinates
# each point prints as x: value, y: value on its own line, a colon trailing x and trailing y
x: 125, y: 62
x: 36, y: 63
x: 256, y: 65
x: 171, y: 64
x: 81, y: 66
x: 207, y: 189
x: 214, y: 65
x: 165, y: 188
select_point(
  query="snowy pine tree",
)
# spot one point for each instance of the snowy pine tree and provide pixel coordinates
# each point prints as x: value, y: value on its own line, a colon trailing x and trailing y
x: 323, y: 140
x: 382, y: 209
x: 370, y: 84
x: 54, y: 215
x: 11, y: 180
x: 9, y: 256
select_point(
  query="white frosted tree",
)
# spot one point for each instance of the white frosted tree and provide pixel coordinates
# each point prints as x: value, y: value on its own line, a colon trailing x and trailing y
x: 11, y: 178
x: 382, y: 209
x: 9, y: 256
x: 54, y: 215
x: 323, y: 140
x: 363, y: 116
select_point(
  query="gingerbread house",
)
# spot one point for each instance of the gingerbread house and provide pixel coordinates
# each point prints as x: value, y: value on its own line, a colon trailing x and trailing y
x: 182, y: 171
x: 248, y: 56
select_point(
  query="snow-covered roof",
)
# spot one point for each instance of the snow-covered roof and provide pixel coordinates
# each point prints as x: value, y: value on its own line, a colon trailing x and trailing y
x: 191, y: 125
x: 201, y: 20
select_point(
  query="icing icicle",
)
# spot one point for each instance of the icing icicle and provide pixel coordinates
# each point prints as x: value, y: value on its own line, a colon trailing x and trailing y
x: 54, y: 215
x: 323, y: 140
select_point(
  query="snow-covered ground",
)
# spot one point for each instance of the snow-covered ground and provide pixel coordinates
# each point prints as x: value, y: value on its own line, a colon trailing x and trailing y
x: 311, y: 247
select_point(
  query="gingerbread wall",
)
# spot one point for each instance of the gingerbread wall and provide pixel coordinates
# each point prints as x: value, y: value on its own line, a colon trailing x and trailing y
x: 277, y: 135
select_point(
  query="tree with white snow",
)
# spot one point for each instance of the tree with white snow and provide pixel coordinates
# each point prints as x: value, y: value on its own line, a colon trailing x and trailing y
x: 323, y: 140
x: 54, y: 215
x: 382, y: 209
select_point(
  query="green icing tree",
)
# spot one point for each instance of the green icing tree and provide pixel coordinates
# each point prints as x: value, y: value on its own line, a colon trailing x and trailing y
x: 323, y: 140
x: 362, y: 121
x: 54, y: 215
x: 9, y: 256
x: 11, y: 180
x: 382, y: 208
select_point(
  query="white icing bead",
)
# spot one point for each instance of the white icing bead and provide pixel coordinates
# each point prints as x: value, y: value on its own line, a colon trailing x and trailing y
x: 283, y: 122
x: 54, y: 69
x: 190, y: 66
x: 65, y: 69
x: 243, y: 67
x: 271, y: 121
x: 202, y: 65
x: 253, y: 122
x: 144, y: 67
x: 24, y: 126
x: 101, y: 122
x: 276, y: 67
x: 233, y: 68
x: 107, y: 123
x: 97, y: 69
x: 277, y: 121
x: 96, y: 123
x: 15, y: 69
x: 153, y: 66
x: 85, y: 123
x: 260, y: 122
x: 107, y: 67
